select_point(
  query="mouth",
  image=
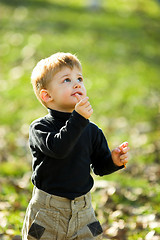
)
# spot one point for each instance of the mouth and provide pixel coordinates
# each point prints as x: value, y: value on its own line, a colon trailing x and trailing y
x: 79, y: 93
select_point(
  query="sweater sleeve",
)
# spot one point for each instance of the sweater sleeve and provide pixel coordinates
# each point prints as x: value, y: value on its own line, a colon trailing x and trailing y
x: 57, y: 144
x: 102, y: 163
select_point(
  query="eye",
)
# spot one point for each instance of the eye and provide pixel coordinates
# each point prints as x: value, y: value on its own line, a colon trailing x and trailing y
x: 80, y: 79
x: 67, y: 80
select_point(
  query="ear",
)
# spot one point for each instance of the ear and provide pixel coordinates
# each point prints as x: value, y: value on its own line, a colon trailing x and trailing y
x: 45, y: 96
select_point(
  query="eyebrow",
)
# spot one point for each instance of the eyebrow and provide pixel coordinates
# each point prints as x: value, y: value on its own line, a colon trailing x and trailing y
x: 66, y: 75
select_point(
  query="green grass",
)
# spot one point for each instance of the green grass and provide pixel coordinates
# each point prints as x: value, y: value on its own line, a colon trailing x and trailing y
x: 118, y: 46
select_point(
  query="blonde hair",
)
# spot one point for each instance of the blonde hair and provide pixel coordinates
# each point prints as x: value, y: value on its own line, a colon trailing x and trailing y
x: 45, y: 69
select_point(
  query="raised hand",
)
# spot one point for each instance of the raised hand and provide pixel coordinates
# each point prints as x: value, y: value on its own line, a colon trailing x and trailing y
x: 83, y: 106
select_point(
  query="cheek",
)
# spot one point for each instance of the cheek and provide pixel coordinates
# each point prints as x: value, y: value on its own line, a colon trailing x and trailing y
x: 85, y: 92
x: 65, y: 93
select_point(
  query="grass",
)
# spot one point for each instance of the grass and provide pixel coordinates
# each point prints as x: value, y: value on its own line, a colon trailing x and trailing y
x: 118, y: 46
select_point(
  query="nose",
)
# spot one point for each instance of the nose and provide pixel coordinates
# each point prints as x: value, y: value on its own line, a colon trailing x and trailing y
x: 77, y: 85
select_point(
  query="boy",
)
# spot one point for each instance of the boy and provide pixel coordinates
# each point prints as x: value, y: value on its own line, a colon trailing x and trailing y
x: 64, y: 144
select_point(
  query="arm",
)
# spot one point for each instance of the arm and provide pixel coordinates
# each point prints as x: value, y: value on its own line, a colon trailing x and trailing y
x: 57, y: 144
x: 102, y: 162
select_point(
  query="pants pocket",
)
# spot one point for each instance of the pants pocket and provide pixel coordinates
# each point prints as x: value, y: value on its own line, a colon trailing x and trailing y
x: 88, y: 225
x: 45, y: 225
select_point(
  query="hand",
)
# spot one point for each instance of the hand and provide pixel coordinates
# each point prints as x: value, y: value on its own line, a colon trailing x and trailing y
x: 120, y: 154
x: 83, y: 107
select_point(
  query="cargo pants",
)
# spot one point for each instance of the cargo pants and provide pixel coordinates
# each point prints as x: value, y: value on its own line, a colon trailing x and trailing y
x: 52, y: 217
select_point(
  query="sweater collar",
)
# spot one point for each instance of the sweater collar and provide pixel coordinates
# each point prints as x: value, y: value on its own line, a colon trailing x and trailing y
x: 63, y: 116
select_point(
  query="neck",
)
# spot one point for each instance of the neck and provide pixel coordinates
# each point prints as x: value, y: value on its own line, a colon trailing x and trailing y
x: 60, y: 109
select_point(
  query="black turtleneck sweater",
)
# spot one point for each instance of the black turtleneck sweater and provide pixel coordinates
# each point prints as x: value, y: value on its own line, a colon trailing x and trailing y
x: 64, y: 146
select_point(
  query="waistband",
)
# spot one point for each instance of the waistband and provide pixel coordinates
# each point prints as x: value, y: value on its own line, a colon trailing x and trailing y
x: 60, y: 202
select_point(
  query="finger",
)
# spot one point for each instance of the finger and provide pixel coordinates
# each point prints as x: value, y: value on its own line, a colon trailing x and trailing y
x: 123, y: 145
x: 87, y: 104
x: 125, y: 150
x: 78, y: 97
x: 89, y: 108
x: 117, y: 150
x: 90, y: 111
x: 124, y: 161
x: 124, y: 156
x: 83, y: 101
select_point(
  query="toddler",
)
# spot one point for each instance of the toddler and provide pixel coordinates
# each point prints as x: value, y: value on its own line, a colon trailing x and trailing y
x: 65, y: 146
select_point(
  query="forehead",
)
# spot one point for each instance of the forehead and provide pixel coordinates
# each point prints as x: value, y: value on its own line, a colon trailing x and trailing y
x: 66, y: 71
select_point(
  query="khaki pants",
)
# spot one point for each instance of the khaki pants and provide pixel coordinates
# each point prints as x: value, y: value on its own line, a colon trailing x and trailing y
x: 52, y: 217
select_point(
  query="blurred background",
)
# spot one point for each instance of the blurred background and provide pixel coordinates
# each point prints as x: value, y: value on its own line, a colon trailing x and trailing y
x: 118, y: 44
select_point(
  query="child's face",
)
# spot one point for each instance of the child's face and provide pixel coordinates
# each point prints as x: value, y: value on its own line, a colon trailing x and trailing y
x: 63, y: 87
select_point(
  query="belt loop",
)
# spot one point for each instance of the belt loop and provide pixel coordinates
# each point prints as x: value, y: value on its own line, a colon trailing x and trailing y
x: 85, y: 201
x: 88, y: 199
x: 48, y: 198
